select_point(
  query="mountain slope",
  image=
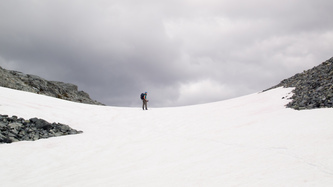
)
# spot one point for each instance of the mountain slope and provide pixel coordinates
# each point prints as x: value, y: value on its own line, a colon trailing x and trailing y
x: 313, y: 87
x: 248, y: 141
x: 35, y: 84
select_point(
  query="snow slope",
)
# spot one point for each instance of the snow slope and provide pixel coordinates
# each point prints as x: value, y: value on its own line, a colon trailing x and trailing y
x: 248, y: 141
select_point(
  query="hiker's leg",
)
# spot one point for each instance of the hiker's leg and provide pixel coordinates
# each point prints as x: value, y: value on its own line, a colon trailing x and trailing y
x: 144, y: 104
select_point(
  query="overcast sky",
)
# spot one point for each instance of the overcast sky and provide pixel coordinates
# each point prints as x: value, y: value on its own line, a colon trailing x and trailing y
x: 181, y: 52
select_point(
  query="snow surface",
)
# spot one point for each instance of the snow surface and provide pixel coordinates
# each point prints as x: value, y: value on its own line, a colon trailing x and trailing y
x: 248, y: 141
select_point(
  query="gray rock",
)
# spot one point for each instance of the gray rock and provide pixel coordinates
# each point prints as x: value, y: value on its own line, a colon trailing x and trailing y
x: 313, y: 88
x: 13, y: 139
x: 32, y: 83
x: 35, y: 137
x: 2, y: 125
x: 64, y: 128
x: 31, y: 130
x: 15, y: 125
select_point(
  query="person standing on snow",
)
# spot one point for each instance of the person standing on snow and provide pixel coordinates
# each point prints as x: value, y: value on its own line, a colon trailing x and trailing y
x: 144, y: 100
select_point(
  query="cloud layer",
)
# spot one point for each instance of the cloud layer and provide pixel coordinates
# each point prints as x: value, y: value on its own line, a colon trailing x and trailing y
x: 180, y: 52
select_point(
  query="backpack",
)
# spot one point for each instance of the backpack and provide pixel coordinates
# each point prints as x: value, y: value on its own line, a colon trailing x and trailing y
x: 142, y: 96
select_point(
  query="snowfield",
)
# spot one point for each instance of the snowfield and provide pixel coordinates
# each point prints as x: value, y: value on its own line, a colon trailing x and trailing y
x: 248, y: 141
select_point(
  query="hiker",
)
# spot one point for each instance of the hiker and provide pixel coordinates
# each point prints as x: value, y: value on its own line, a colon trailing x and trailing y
x: 144, y: 100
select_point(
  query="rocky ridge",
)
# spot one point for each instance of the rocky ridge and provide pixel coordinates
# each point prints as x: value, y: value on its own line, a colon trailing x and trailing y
x: 14, y: 129
x: 32, y: 83
x: 313, y: 88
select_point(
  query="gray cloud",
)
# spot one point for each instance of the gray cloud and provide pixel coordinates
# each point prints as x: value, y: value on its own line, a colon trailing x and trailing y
x: 181, y: 52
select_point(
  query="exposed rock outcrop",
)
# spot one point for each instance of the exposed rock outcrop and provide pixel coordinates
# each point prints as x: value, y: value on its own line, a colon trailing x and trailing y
x: 14, y: 129
x: 32, y: 83
x: 313, y: 88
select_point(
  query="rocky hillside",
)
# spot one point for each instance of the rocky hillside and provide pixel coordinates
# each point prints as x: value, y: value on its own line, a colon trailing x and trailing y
x: 313, y: 88
x: 14, y: 129
x: 32, y: 83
